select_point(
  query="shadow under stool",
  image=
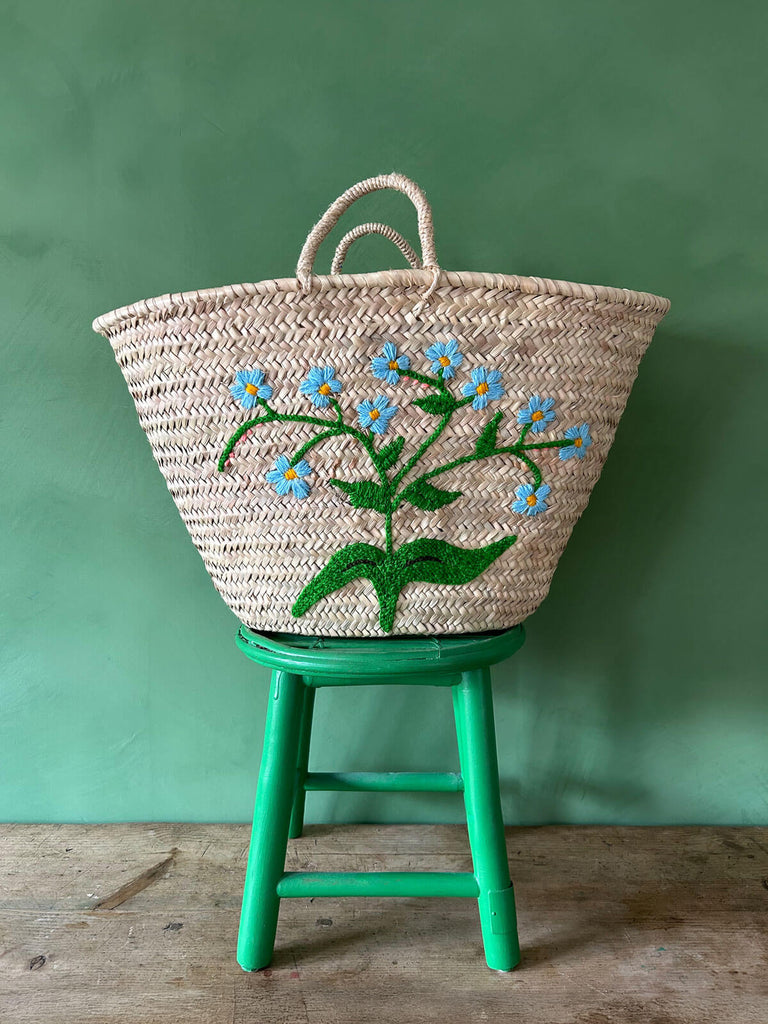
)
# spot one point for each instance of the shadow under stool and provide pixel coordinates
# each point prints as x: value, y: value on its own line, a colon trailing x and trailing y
x: 300, y: 666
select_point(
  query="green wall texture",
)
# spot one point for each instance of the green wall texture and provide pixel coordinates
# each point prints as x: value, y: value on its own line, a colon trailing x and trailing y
x: 164, y: 146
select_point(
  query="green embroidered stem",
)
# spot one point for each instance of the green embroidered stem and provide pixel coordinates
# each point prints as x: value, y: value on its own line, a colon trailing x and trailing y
x: 367, y: 443
x: 291, y: 417
x: 418, y: 454
x: 474, y: 457
x: 334, y: 430
x: 428, y: 443
x: 422, y: 378
x: 562, y: 442
x: 243, y: 429
x: 532, y: 466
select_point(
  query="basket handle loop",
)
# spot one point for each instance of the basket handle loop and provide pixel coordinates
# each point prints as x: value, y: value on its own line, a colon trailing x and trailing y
x: 373, y: 229
x: 394, y: 181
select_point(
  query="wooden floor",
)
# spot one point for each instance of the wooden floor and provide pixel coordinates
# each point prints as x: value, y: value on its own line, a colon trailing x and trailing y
x: 138, y: 923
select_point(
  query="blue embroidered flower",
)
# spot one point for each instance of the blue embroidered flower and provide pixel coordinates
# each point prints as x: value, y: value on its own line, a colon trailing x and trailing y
x: 530, y: 499
x: 445, y: 356
x: 581, y: 441
x: 376, y: 414
x: 385, y: 367
x: 321, y: 385
x: 486, y: 384
x: 249, y: 387
x: 288, y: 478
x: 539, y: 412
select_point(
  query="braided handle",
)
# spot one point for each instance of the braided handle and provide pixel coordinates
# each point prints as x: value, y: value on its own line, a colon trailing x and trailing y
x: 395, y: 181
x: 372, y: 229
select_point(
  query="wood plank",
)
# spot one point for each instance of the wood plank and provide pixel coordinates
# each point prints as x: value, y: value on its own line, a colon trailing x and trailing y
x: 617, y: 925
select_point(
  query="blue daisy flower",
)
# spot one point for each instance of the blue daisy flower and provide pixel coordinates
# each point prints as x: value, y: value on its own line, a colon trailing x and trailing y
x: 249, y: 387
x: 485, y: 386
x: 581, y: 441
x: 376, y: 414
x: 530, y: 499
x: 288, y: 479
x: 445, y: 356
x: 539, y: 412
x: 385, y: 367
x: 321, y: 385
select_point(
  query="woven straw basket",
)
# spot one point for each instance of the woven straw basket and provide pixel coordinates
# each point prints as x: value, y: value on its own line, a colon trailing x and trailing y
x: 397, y: 452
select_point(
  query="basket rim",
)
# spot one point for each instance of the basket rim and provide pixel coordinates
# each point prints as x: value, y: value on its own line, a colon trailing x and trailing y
x: 173, y: 303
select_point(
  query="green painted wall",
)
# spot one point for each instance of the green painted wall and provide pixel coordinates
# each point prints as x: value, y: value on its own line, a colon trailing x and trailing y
x: 149, y: 147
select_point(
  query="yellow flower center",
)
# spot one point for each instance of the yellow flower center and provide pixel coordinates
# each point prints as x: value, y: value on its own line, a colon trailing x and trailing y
x: 536, y: 416
x: 444, y: 360
x: 251, y: 389
x: 324, y: 389
x: 374, y: 414
x: 578, y: 442
x: 393, y: 364
x: 482, y: 388
x: 531, y: 500
x: 290, y: 474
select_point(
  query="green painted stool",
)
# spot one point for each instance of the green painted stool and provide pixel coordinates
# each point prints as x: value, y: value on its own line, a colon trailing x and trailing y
x: 301, y: 665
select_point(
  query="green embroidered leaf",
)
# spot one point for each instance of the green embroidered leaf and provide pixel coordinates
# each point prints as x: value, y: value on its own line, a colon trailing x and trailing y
x: 486, y: 443
x: 365, y: 494
x: 390, y: 453
x: 355, y: 561
x: 437, y: 404
x: 428, y: 560
x: 423, y: 494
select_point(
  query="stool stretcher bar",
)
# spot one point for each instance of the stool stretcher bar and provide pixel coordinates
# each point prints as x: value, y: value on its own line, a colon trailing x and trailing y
x: 377, y: 883
x: 384, y: 782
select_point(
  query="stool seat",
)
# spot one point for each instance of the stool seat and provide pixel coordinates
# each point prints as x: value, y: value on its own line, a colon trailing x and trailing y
x: 300, y: 666
x: 360, y: 657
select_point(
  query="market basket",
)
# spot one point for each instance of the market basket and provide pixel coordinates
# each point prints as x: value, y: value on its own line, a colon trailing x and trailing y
x: 404, y: 451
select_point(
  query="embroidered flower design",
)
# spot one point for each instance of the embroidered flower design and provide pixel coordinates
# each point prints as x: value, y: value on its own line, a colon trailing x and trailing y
x: 288, y: 478
x: 530, y: 499
x: 486, y: 384
x: 581, y: 441
x: 376, y: 414
x: 445, y: 357
x: 385, y: 367
x: 539, y: 412
x: 394, y: 477
x: 321, y: 385
x: 249, y: 387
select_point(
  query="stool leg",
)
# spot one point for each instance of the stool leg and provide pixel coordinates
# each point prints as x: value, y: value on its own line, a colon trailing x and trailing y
x: 271, y: 817
x: 305, y: 735
x: 457, y: 714
x: 479, y: 768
